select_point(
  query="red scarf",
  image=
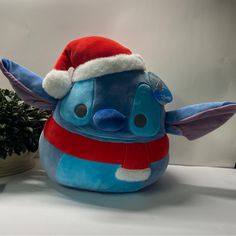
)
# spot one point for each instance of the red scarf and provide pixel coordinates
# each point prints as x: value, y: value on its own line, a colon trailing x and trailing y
x: 129, y: 155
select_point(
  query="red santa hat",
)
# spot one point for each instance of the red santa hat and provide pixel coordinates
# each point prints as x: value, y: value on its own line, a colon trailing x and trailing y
x: 86, y: 58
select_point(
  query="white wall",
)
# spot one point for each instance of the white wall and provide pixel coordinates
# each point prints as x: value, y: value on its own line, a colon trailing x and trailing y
x: 189, y: 43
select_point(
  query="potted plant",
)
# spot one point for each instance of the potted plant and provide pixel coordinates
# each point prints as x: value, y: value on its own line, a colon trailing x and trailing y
x: 20, y: 128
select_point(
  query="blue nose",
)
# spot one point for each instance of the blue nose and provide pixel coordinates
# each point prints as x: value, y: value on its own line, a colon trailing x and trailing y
x: 109, y: 120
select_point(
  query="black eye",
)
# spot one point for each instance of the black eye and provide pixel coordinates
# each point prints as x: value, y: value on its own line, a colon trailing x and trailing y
x: 140, y: 120
x: 81, y: 110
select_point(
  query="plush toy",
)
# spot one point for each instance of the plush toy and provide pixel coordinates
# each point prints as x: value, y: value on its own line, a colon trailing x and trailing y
x: 108, y: 131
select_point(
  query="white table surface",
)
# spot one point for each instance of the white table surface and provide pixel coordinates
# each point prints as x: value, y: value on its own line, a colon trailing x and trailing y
x: 186, y: 200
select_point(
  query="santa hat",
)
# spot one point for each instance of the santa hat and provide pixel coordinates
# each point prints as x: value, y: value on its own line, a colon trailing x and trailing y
x: 86, y: 58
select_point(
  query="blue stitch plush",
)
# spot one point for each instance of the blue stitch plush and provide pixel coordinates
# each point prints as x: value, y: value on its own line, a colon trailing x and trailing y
x: 108, y: 130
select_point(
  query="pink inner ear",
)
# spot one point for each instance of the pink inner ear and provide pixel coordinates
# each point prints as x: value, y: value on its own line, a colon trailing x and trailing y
x: 204, y: 122
x: 24, y: 93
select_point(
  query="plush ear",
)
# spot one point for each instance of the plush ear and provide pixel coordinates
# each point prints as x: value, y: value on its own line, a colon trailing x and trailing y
x: 161, y: 92
x: 197, y: 120
x: 28, y: 85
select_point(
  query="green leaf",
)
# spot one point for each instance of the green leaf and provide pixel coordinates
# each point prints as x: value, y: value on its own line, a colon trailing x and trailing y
x: 20, y: 124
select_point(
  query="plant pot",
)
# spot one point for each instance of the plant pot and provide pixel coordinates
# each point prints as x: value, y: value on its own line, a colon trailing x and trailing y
x: 16, y: 164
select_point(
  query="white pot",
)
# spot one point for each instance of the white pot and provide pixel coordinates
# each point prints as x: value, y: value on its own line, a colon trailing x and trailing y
x: 16, y: 164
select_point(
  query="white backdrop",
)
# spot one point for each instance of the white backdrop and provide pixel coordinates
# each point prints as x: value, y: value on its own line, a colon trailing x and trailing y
x: 190, y: 44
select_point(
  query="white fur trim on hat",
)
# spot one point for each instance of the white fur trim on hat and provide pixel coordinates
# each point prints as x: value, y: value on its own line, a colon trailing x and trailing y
x: 108, y: 65
x: 57, y: 83
x: 133, y: 175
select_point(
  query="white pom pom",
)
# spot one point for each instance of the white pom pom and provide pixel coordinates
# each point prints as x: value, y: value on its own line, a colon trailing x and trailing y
x: 57, y: 83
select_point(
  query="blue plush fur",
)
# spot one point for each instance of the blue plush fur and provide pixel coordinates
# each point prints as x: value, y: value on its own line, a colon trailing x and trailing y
x: 78, y: 173
x: 137, y: 98
x: 113, y: 103
x: 102, y: 94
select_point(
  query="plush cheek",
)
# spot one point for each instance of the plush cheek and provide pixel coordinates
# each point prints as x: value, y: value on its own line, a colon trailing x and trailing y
x: 76, y: 107
x: 145, y: 113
